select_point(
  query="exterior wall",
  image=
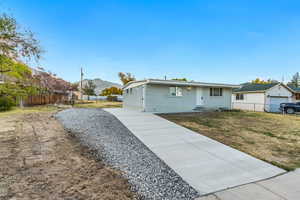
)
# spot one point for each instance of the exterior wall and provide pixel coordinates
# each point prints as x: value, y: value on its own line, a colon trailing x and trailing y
x: 133, y: 99
x: 261, y: 101
x: 223, y: 101
x: 251, y: 102
x: 277, y: 91
x: 294, y: 100
x: 158, y: 99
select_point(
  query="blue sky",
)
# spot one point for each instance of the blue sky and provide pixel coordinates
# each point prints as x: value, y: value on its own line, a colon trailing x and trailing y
x: 213, y: 41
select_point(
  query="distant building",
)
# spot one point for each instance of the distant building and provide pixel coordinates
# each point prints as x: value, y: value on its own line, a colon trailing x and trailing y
x: 264, y: 97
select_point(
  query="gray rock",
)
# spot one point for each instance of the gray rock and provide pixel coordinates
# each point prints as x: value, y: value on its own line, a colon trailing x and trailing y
x: 113, y: 143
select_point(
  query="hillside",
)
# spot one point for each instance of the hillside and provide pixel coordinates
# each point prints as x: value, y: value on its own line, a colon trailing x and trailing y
x: 101, y: 84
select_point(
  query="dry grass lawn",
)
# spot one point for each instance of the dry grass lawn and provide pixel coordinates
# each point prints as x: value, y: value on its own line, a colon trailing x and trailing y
x: 98, y: 104
x: 274, y: 138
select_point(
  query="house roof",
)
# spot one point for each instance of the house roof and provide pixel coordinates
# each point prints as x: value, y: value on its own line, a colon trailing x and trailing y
x: 133, y: 84
x: 255, y: 87
x: 295, y: 89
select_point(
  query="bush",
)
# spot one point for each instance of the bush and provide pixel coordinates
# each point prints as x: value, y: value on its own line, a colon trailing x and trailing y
x: 112, y: 98
x: 6, y: 103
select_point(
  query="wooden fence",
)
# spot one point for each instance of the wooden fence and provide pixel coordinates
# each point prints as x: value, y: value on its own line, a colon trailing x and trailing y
x: 45, y: 99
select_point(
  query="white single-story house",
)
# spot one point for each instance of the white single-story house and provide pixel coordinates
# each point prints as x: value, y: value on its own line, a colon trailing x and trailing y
x: 263, y: 97
x: 164, y: 96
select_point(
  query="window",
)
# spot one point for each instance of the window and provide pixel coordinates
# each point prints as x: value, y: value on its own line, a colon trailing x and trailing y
x: 126, y: 91
x: 297, y: 96
x: 216, y: 91
x: 130, y: 90
x: 239, y: 96
x: 175, y: 91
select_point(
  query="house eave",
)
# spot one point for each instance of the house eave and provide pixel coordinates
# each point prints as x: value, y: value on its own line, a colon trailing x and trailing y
x: 178, y: 83
x: 256, y: 91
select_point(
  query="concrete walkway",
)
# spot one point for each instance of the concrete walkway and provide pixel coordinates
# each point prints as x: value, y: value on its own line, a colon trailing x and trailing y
x: 284, y: 187
x: 205, y: 164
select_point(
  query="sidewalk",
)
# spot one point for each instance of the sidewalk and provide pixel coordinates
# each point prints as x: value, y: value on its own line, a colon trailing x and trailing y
x: 207, y: 165
x: 284, y: 187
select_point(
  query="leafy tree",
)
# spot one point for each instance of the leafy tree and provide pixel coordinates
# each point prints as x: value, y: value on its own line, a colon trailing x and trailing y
x: 295, y: 80
x: 260, y: 81
x: 179, y: 79
x: 74, y: 86
x: 16, y: 43
x: 126, y: 77
x: 111, y: 91
x: 89, y: 89
x: 17, y: 78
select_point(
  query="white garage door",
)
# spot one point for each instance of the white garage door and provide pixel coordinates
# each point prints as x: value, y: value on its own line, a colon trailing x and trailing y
x: 275, y: 103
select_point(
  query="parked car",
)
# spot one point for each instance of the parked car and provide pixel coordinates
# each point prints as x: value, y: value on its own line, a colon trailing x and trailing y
x: 290, y: 108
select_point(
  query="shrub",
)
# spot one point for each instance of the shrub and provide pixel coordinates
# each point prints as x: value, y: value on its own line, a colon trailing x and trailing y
x: 6, y: 103
x: 112, y: 98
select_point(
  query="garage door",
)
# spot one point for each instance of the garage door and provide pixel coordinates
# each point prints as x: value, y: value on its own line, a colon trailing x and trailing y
x: 275, y: 103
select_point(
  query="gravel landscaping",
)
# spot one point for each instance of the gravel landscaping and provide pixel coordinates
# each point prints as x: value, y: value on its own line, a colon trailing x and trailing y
x: 112, y: 142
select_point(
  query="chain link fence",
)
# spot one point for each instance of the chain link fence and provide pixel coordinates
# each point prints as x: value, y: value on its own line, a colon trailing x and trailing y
x: 257, y: 107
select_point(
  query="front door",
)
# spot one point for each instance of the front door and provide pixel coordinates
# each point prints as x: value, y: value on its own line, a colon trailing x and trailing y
x: 199, y: 96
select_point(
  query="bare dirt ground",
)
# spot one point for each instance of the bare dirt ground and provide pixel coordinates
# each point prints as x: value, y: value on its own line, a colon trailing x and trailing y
x: 39, y: 160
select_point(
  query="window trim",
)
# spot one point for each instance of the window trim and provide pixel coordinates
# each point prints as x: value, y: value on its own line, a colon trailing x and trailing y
x: 213, y: 93
x: 178, y: 92
x: 239, y: 97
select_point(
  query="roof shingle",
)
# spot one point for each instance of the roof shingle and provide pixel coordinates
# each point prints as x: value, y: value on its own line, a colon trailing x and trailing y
x: 254, y: 87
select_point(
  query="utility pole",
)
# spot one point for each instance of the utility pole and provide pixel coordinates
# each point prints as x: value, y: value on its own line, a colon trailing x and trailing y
x: 81, y: 77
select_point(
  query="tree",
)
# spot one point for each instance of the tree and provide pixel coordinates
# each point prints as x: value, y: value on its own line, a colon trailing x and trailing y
x: 16, y: 79
x: 111, y: 91
x: 74, y: 86
x: 295, y: 80
x: 126, y: 78
x: 261, y: 81
x: 16, y: 43
x: 89, y: 89
x: 179, y: 79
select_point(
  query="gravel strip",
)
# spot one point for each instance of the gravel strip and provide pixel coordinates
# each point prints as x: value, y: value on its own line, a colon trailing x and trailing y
x: 149, y: 176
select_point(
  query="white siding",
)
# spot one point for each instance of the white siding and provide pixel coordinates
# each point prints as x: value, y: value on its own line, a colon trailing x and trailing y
x: 223, y: 101
x: 133, y: 99
x: 252, y: 102
x: 277, y: 91
x: 261, y: 101
x: 158, y: 99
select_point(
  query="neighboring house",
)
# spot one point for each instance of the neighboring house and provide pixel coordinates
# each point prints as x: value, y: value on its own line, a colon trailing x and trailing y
x: 263, y: 97
x: 153, y: 95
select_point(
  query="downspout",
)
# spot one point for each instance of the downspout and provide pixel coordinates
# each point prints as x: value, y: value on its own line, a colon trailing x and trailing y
x: 144, y: 98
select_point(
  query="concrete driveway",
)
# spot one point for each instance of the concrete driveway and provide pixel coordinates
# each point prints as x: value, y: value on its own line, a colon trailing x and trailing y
x: 207, y: 165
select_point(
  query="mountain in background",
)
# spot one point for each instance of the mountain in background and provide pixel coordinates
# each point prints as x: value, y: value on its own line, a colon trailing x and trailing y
x: 101, y: 84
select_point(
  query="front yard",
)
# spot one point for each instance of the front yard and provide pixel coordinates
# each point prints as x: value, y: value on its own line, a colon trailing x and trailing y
x: 98, y: 104
x: 40, y: 160
x: 274, y: 138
